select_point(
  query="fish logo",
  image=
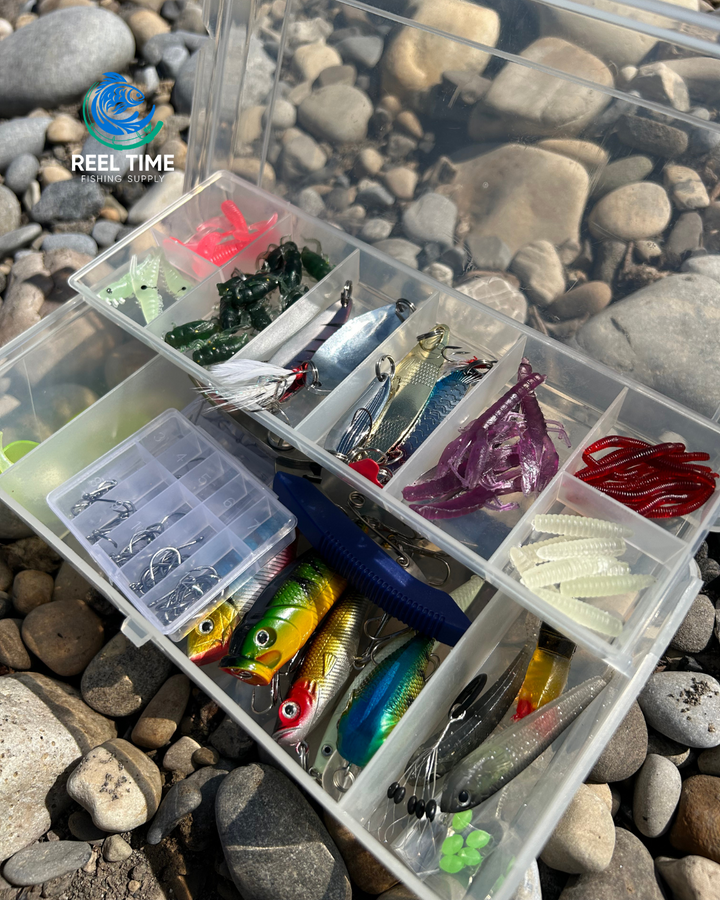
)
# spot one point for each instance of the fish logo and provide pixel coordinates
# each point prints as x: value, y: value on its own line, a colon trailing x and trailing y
x: 111, y: 115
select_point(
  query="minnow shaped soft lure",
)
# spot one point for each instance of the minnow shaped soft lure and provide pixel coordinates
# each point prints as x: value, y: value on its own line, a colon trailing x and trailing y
x: 507, y: 753
x: 366, y: 566
x: 210, y: 639
x: 547, y: 673
x: 326, y: 667
x: 356, y: 340
x: 291, y: 616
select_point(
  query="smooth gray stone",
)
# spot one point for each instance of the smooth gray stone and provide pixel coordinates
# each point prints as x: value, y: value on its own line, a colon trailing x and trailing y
x: 9, y: 211
x: 431, y: 218
x: 373, y: 194
x: 147, y: 79
x: 173, y: 59
x: 400, y: 249
x: 118, y: 162
x: 57, y: 58
x: 684, y: 706
x: 274, y: 842
x: 182, y: 95
x: 704, y: 265
x: 363, y: 49
x: 83, y: 243
x: 21, y: 172
x: 68, y: 200
x: 489, y: 252
x: 41, y: 862
x: 625, y: 751
x: 154, y: 47
x: 18, y: 238
x: 21, y: 135
x: 195, y: 794
x: 675, y: 319
x: 694, y: 634
x: 192, y: 40
x: 104, y: 232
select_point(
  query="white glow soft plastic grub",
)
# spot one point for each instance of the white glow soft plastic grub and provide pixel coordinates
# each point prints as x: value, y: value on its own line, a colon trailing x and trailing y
x: 605, y: 585
x: 583, y: 613
x: 612, y: 546
x: 567, y: 570
x: 579, y: 526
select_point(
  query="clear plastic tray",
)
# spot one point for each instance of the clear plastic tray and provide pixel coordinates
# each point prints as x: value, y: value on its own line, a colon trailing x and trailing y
x: 172, y: 519
x: 589, y: 399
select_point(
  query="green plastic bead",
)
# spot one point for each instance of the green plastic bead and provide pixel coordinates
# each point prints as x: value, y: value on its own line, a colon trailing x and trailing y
x: 470, y: 857
x: 451, y: 864
x: 462, y: 820
x: 452, y: 844
x: 477, y: 839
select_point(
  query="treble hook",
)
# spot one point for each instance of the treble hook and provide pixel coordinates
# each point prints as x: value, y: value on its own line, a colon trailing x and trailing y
x: 274, y: 696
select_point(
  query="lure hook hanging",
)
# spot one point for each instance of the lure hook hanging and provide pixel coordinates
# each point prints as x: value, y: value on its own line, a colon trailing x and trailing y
x: 274, y: 697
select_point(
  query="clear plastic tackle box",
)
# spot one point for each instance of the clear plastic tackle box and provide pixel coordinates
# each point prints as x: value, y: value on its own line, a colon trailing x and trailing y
x: 126, y: 376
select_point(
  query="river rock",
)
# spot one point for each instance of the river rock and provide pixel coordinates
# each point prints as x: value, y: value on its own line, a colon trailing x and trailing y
x: 69, y: 200
x: 663, y: 746
x: 659, y: 82
x: 162, y: 715
x: 18, y: 238
x: 534, y: 102
x: 42, y: 862
x: 195, y: 794
x: 696, y: 630
x: 57, y: 58
x: 631, y: 874
x: 230, y: 740
x: 401, y: 181
x: 704, y: 265
x: 431, y: 218
x: 301, y: 156
x: 592, y: 156
x: 685, y: 187
x: 685, y: 237
x: 690, y: 878
x: 613, y: 43
x: 31, y: 589
x: 366, y: 872
x: 160, y: 195
x: 179, y: 757
x: 274, y: 843
x: 66, y: 129
x: 709, y: 761
x: 46, y: 728
x: 585, y: 300
x: 400, y: 249
x: 685, y: 706
x: 122, y: 678
x: 540, y: 271
x: 21, y: 135
x: 584, y: 838
x: 621, y: 172
x: 650, y: 136
x: 21, y: 172
x: 311, y: 59
x: 631, y: 213
x: 697, y: 825
x: 657, y: 792
x: 416, y: 59
x: 118, y: 785
x: 338, y: 113
x: 13, y: 652
x: 9, y: 211
x: 115, y: 849
x: 701, y: 74
x: 65, y: 635
x: 625, y: 751
x: 520, y: 194
x: 676, y: 318
x: 489, y: 252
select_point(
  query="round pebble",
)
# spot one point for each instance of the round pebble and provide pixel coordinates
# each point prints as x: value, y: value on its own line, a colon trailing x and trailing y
x: 31, y: 589
x: 180, y: 757
x: 697, y: 825
x: 625, y: 751
x: 311, y: 59
x: 115, y: 849
x: 690, y: 878
x: 42, y: 862
x: 431, y: 218
x: 21, y: 172
x: 65, y: 129
x: 684, y: 706
x: 9, y: 211
x: 586, y: 300
x: 13, y: 652
x: 81, y: 827
x: 631, y: 213
x: 162, y: 715
x: 338, y: 113
x: 696, y: 630
x: 65, y: 635
x: 401, y: 182
x: 584, y: 839
x: 540, y: 271
x: 657, y: 792
x: 369, y: 161
x: 205, y: 756
x: 284, y: 115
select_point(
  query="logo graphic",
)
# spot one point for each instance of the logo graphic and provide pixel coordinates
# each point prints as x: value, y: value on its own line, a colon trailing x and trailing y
x: 109, y: 111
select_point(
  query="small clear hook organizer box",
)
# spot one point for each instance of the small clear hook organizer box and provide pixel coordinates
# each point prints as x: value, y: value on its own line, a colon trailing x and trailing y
x: 173, y: 520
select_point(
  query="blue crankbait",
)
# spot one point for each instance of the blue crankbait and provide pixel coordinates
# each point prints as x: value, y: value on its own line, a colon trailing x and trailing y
x: 350, y: 432
x: 356, y: 340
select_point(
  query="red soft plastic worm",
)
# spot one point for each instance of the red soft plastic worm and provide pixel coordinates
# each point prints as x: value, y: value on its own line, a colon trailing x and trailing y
x: 658, y: 481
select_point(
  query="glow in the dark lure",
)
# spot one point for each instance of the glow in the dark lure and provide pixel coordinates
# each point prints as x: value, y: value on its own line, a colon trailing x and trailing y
x: 579, y: 526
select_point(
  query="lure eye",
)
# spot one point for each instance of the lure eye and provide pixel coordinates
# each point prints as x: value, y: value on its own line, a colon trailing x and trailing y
x: 109, y: 290
x: 327, y: 750
x: 143, y: 287
x: 290, y: 710
x: 463, y: 798
x: 206, y: 626
x: 263, y: 638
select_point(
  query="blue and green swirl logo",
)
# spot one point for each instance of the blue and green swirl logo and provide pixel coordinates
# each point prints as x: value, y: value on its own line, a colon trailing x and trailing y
x: 111, y: 115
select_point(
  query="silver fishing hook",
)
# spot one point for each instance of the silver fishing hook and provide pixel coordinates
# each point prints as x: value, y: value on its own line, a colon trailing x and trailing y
x: 274, y: 696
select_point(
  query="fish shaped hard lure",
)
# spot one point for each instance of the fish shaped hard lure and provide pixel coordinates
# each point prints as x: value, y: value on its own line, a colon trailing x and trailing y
x: 305, y: 343
x: 547, y: 673
x: 415, y: 376
x: 291, y: 616
x: 327, y: 665
x: 350, y: 433
x: 382, y: 700
x: 506, y: 754
x: 355, y: 341
x: 210, y: 639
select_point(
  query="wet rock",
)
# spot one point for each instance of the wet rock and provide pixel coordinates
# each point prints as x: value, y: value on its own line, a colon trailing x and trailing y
x: 373, y: 195
x: 42, y: 862
x: 196, y: 794
x: 533, y: 102
x: 584, y: 838
x: 703, y: 265
x: 697, y: 825
x: 431, y: 218
x: 586, y: 299
x: 122, y: 678
x: 400, y: 249
x: 401, y: 181
x: 283, y: 116
x: 182, y: 94
x: 160, y: 195
x: 118, y: 785
x: 230, y: 740
x: 590, y: 155
x: 684, y: 706
x: 489, y: 252
x: 540, y: 271
x: 624, y: 171
x: 685, y: 237
x: 311, y: 59
x: 366, y: 872
x: 45, y: 730
x: 498, y: 294
x: 22, y: 135
x: 631, y: 213
x: 650, y: 136
x: 377, y: 229
x: 416, y: 59
x: 115, y: 849
x: 675, y: 318
x: 630, y: 874
x: 685, y: 187
x: 701, y: 74
x: 57, y: 58
x: 536, y: 195
x: 179, y: 757
x: 31, y: 589
x: 274, y: 843
x: 659, y: 82
x: 301, y: 156
x: 336, y: 75
x: 205, y: 756
x: 626, y: 750
x: 162, y: 715
x: 696, y: 630
x: 363, y: 49
x: 690, y: 878
x: 13, y: 652
x: 65, y: 635
x: 338, y: 113
x: 657, y: 792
